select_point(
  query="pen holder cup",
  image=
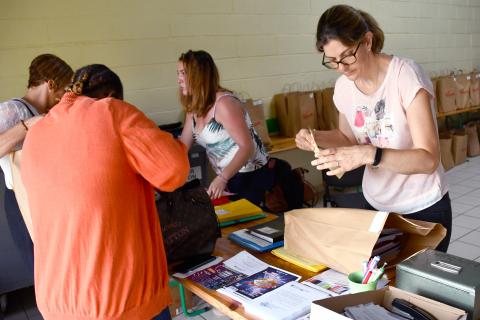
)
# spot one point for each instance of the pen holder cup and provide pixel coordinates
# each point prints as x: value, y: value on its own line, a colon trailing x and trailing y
x: 355, y: 283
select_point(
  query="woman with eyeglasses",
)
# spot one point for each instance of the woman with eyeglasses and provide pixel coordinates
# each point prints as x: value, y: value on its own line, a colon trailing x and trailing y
x: 386, y: 121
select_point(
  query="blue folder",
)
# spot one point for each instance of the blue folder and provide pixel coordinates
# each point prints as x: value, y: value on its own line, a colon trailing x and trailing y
x: 245, y: 239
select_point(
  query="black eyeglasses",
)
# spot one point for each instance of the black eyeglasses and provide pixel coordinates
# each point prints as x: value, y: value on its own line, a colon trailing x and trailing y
x: 346, y: 61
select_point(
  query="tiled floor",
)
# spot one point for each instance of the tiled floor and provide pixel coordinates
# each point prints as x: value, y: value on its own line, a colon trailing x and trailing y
x: 464, y: 185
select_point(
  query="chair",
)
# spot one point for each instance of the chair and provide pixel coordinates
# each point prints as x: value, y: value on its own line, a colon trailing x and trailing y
x: 345, y: 192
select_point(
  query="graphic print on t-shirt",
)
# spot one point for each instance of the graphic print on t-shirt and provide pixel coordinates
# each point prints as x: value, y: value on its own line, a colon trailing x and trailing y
x: 373, y: 125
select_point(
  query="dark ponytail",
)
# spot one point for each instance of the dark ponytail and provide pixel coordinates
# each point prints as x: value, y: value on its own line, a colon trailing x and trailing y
x: 348, y: 25
x: 97, y: 81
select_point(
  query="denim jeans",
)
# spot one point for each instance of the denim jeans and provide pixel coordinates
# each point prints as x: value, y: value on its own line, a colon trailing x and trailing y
x: 164, y: 315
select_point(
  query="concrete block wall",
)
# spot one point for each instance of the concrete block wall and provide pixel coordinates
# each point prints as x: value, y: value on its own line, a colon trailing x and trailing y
x: 260, y: 46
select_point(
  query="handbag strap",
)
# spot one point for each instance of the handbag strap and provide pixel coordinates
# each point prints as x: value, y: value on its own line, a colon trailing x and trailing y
x: 26, y: 106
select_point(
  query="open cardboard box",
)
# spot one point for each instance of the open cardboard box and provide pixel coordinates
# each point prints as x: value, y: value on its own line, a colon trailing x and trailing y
x: 332, y: 308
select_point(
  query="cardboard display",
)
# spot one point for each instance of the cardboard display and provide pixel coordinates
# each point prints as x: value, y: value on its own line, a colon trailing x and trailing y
x: 331, y: 308
x: 342, y: 238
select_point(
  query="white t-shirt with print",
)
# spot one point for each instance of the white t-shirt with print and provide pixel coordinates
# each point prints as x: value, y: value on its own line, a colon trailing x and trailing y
x: 380, y: 119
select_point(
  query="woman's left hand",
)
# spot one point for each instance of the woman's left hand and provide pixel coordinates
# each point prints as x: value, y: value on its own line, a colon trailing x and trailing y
x: 340, y: 160
x: 216, y: 188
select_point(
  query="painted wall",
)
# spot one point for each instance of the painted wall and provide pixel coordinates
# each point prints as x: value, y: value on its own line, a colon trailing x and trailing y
x: 260, y: 46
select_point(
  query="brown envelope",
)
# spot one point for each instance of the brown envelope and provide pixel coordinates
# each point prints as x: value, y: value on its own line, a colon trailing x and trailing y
x: 342, y: 238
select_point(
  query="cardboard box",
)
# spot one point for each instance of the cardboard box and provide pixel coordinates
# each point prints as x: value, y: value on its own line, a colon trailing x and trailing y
x: 332, y: 308
x: 342, y: 238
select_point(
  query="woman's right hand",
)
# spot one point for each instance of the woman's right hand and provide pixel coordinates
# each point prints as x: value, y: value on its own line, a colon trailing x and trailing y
x: 303, y: 140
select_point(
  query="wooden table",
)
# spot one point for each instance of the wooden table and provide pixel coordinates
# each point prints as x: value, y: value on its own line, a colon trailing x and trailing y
x: 226, y: 249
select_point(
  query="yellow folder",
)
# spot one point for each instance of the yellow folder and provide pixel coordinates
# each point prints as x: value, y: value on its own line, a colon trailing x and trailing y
x: 236, y: 210
x: 297, y: 260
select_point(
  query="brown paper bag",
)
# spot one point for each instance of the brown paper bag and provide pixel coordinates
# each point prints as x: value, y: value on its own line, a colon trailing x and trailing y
x: 321, y: 122
x: 446, y: 91
x: 342, y: 238
x: 295, y: 110
x: 459, y: 146
x: 20, y: 192
x: 255, y: 111
x: 446, y: 151
x: 330, y: 112
x: 462, y: 94
x: 475, y: 89
x: 473, y: 146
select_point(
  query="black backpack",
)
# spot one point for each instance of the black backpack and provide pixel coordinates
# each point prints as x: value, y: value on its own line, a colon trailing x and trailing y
x: 288, y: 190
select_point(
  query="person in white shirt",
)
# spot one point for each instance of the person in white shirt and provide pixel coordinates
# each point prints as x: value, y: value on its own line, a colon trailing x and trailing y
x: 386, y: 121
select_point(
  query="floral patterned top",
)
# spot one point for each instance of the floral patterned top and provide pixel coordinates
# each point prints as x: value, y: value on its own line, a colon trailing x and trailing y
x: 220, y: 146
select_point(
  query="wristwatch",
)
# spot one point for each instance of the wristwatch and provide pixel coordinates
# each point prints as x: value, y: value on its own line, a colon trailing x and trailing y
x: 378, y: 157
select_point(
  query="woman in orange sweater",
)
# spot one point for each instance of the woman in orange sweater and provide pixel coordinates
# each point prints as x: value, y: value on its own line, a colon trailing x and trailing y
x: 89, y: 168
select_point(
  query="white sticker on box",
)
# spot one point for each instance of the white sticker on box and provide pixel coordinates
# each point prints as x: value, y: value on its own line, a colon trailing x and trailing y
x: 378, y: 221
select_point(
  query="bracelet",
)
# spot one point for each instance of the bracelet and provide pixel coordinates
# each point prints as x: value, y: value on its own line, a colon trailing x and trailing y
x: 223, y: 178
x: 378, y: 157
x: 24, y: 125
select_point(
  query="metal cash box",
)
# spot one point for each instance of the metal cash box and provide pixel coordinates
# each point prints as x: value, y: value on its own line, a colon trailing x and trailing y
x: 442, y: 277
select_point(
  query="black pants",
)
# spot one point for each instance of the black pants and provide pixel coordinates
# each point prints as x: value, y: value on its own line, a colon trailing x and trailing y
x: 439, y: 212
x: 252, y: 185
x: 18, y: 229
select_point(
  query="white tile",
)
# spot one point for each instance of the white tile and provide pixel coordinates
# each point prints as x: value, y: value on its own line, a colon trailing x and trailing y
x: 183, y: 317
x: 473, y: 201
x: 472, y: 238
x: 464, y: 250
x: 472, y: 192
x: 468, y: 182
x: 459, y: 189
x: 459, y: 208
x: 466, y: 222
x: 474, y: 212
x: 214, y: 314
x: 458, y: 232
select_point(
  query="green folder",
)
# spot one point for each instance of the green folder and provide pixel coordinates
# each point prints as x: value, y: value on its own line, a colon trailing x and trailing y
x: 231, y: 222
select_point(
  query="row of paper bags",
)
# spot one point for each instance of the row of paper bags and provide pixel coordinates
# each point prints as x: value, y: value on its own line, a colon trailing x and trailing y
x: 457, y: 91
x: 457, y: 144
x: 306, y: 109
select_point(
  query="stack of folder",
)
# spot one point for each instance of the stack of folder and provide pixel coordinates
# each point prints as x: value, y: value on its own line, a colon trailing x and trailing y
x: 262, y: 237
x: 238, y: 211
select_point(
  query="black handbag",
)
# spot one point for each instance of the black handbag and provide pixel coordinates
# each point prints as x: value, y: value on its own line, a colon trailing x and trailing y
x: 189, y: 224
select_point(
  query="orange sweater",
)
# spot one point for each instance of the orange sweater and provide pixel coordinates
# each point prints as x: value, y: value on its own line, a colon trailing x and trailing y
x: 88, y: 168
